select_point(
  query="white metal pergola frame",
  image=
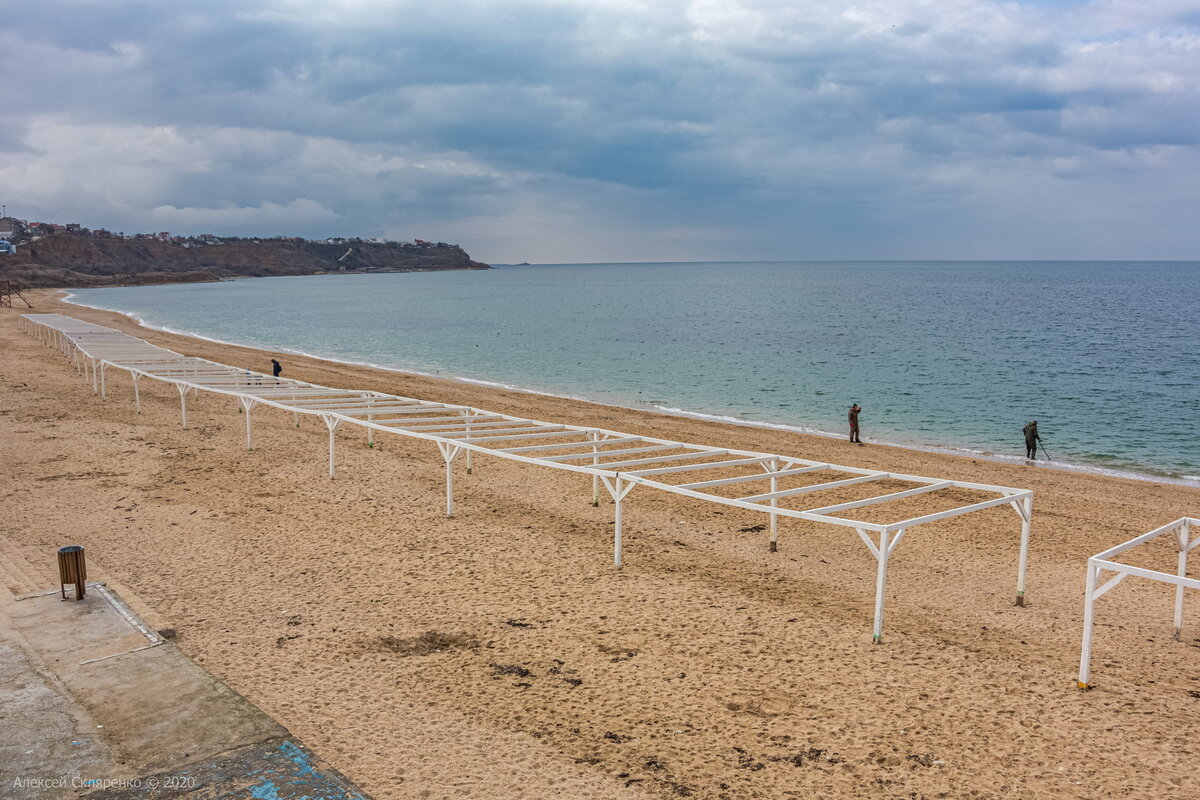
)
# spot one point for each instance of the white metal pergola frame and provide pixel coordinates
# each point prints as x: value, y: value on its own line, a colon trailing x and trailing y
x: 641, y: 460
x: 1180, y: 529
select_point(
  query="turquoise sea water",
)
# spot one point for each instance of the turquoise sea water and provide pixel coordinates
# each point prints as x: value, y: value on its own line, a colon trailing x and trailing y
x: 954, y: 354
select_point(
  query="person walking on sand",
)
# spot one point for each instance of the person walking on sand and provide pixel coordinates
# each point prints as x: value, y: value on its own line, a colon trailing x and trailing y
x: 276, y: 368
x: 1031, y: 440
x: 853, y: 417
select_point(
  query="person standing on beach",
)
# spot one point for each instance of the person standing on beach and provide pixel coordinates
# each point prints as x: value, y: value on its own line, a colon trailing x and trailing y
x: 1031, y: 440
x: 276, y: 368
x: 853, y: 417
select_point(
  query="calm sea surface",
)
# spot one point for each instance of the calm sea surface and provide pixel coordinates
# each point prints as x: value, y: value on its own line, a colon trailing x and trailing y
x: 1105, y: 355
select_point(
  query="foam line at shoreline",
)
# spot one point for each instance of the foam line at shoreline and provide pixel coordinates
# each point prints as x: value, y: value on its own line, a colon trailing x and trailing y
x: 961, y: 452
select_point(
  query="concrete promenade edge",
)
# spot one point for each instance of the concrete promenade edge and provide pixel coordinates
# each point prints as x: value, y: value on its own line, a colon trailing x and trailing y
x: 95, y: 703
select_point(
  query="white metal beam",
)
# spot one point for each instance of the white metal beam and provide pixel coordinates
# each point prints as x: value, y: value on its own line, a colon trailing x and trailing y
x: 611, y: 466
x: 741, y: 462
x: 783, y: 473
x: 883, y: 498
x: 816, y: 487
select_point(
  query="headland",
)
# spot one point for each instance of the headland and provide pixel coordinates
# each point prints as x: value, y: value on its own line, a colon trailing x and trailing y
x: 72, y: 256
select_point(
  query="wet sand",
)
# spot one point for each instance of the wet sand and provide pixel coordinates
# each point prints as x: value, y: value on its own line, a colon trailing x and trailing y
x: 498, y: 654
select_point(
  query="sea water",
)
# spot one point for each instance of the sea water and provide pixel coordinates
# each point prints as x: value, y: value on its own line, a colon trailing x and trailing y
x: 1104, y: 355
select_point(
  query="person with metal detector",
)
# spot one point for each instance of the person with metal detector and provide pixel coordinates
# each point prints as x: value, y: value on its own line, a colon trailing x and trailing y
x: 1031, y: 440
x: 853, y: 418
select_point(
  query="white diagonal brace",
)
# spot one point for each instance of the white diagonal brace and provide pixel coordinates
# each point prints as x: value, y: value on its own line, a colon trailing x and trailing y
x: 449, y: 453
x: 618, y: 487
x: 332, y: 423
x: 248, y: 404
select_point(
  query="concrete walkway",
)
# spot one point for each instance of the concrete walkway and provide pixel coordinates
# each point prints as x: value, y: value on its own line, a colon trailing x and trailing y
x: 96, y: 703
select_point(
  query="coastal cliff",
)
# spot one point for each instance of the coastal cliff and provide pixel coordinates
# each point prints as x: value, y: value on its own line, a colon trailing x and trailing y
x: 72, y: 260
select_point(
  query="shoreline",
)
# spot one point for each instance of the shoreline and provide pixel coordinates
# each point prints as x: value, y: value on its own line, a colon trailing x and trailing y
x: 66, y: 295
x: 497, y: 653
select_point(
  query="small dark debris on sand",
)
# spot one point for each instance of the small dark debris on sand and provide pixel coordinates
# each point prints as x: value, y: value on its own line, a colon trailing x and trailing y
x: 559, y: 668
x: 499, y: 670
x: 747, y: 761
x: 617, y: 737
x: 752, y: 529
x: 621, y: 654
x: 428, y: 642
x: 518, y: 623
x: 811, y: 756
x: 924, y: 759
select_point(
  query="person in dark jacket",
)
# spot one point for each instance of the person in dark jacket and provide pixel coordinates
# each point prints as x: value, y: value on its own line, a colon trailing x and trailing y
x: 276, y: 368
x: 1031, y: 439
x: 853, y: 417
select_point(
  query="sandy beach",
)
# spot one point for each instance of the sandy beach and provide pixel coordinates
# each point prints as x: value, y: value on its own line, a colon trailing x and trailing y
x: 498, y: 654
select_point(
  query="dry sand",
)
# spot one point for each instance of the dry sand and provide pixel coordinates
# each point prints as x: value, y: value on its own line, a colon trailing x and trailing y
x: 707, y: 668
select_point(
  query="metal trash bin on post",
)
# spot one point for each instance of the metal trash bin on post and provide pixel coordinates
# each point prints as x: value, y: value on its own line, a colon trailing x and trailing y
x: 72, y: 569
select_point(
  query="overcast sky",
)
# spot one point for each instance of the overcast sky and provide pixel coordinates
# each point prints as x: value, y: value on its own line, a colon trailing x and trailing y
x: 615, y: 130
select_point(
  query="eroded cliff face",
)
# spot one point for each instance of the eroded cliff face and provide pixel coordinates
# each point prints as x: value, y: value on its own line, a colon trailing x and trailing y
x: 68, y: 260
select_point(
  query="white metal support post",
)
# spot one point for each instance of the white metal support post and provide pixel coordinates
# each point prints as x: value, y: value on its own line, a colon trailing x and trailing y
x: 183, y: 390
x: 449, y: 453
x: 1089, y: 602
x: 618, y: 488
x: 370, y: 417
x: 137, y: 397
x: 773, y: 467
x: 470, y: 465
x: 248, y: 404
x: 1024, y: 509
x: 882, y: 553
x: 103, y: 372
x: 595, y: 462
x: 880, y: 586
x: 331, y: 423
x: 1183, y: 534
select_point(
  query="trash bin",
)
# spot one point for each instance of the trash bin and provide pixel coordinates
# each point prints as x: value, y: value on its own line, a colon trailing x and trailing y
x: 72, y: 569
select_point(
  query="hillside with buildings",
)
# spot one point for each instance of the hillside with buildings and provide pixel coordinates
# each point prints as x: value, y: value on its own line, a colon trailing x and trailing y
x: 48, y: 254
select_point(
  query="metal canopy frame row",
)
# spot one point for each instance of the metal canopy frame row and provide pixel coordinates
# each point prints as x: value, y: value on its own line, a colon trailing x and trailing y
x: 1180, y: 531
x: 619, y: 461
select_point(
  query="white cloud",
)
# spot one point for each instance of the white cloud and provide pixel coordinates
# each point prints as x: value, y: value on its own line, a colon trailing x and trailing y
x: 265, y: 216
